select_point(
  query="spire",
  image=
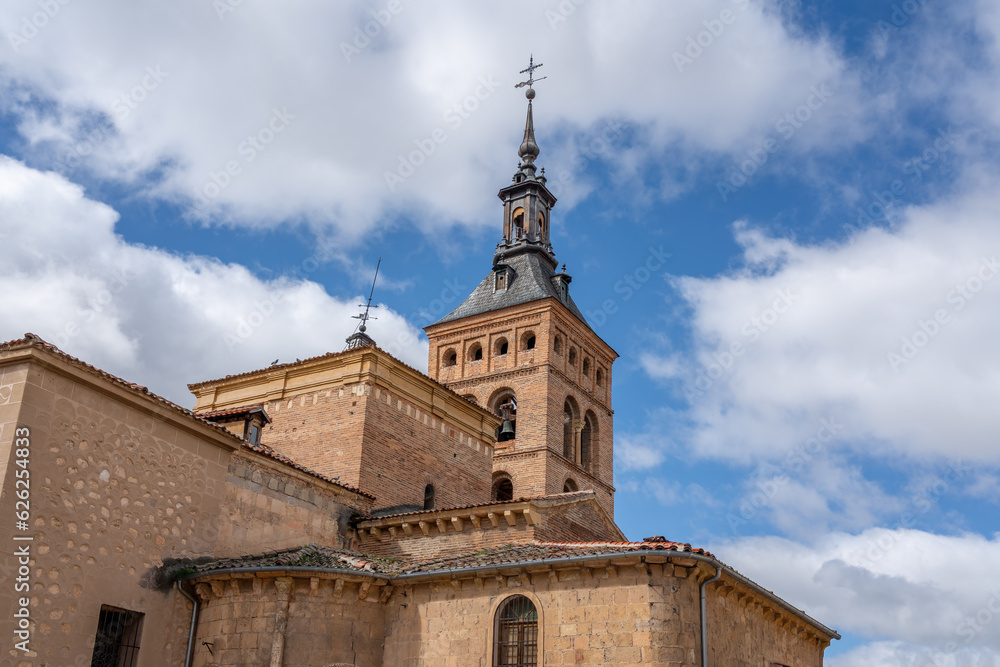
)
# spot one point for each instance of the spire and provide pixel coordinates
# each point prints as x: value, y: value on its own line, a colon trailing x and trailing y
x: 529, y: 148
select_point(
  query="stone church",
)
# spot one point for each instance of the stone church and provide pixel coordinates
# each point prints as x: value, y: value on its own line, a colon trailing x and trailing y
x: 350, y: 510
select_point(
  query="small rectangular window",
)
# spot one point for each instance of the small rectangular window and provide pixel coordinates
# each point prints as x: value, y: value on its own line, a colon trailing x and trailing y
x: 501, y: 280
x: 117, y: 641
x: 254, y: 434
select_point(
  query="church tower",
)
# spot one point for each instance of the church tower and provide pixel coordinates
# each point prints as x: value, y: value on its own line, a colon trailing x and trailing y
x: 519, y: 346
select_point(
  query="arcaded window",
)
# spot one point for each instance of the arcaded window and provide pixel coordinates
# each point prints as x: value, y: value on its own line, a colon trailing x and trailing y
x: 557, y: 345
x: 541, y: 225
x: 572, y: 356
x: 515, y: 636
x: 501, y: 346
x: 528, y: 341
x: 503, y: 490
x: 476, y: 352
x: 569, y: 486
x: 586, y: 367
x: 599, y: 378
x: 450, y: 357
x: 117, y: 641
x: 429, y: 497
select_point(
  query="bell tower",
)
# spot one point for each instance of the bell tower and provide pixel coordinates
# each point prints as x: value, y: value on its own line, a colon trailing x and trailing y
x: 520, y: 347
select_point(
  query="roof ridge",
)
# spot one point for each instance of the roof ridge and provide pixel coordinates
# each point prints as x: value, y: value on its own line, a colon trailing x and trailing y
x: 32, y: 340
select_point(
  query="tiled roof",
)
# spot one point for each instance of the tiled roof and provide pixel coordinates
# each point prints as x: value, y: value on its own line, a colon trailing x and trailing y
x: 317, y: 556
x: 532, y: 281
x: 332, y: 355
x: 233, y: 412
x: 452, y: 508
x: 541, y: 551
x: 281, y: 458
x: 31, y: 340
x: 308, y: 556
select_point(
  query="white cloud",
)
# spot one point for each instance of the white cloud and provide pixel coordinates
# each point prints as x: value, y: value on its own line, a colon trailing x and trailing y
x: 184, y: 98
x: 890, y: 334
x: 905, y: 654
x: 151, y: 316
x: 937, y: 592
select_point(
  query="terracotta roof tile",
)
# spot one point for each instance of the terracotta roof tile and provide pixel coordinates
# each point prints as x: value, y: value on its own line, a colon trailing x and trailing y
x: 229, y: 412
x: 332, y: 355
x: 31, y: 340
x: 308, y: 556
x: 541, y: 551
x: 317, y: 556
x: 452, y: 508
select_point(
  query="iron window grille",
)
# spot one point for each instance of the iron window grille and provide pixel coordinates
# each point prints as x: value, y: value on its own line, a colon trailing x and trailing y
x: 516, y: 634
x: 117, y: 641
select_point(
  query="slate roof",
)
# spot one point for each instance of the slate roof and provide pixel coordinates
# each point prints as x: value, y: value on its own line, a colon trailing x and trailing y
x: 532, y: 281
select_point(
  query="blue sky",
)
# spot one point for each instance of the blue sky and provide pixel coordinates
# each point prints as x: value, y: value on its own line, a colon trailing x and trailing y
x: 807, y: 385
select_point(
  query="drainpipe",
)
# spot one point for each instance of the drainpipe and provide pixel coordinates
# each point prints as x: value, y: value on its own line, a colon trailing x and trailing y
x: 704, y: 622
x: 194, y: 624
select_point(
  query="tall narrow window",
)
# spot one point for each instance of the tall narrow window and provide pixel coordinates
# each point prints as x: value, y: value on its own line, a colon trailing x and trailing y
x: 586, y: 437
x: 568, y: 448
x: 429, y: 497
x: 515, y: 636
x: 117, y: 641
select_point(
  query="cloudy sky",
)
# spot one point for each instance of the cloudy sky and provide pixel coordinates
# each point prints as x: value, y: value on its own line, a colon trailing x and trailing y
x: 808, y: 384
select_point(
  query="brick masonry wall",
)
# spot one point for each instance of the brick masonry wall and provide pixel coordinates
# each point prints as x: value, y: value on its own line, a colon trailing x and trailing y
x: 375, y: 440
x: 542, y: 379
x: 115, y: 490
x: 269, y: 506
x: 449, y: 543
x: 578, y: 521
x: 406, y: 449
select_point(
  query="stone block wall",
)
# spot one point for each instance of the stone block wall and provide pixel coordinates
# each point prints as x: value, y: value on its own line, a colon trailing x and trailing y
x: 311, y: 621
x: 270, y: 506
x: 119, y: 483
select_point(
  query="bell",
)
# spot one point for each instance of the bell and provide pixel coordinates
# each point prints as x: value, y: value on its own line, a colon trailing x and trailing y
x: 506, y: 431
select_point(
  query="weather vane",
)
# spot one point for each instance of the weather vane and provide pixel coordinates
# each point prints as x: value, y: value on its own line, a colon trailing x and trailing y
x: 359, y: 338
x: 530, y: 69
x: 364, y: 317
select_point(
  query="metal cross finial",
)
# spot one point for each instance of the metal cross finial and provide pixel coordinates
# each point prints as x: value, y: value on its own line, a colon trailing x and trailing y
x: 530, y: 69
x: 364, y: 317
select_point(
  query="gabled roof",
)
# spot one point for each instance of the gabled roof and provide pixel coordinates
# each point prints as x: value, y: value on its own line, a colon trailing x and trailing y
x: 531, y: 281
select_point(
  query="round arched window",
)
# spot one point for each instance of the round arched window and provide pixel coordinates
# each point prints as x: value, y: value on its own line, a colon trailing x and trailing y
x: 515, y: 635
